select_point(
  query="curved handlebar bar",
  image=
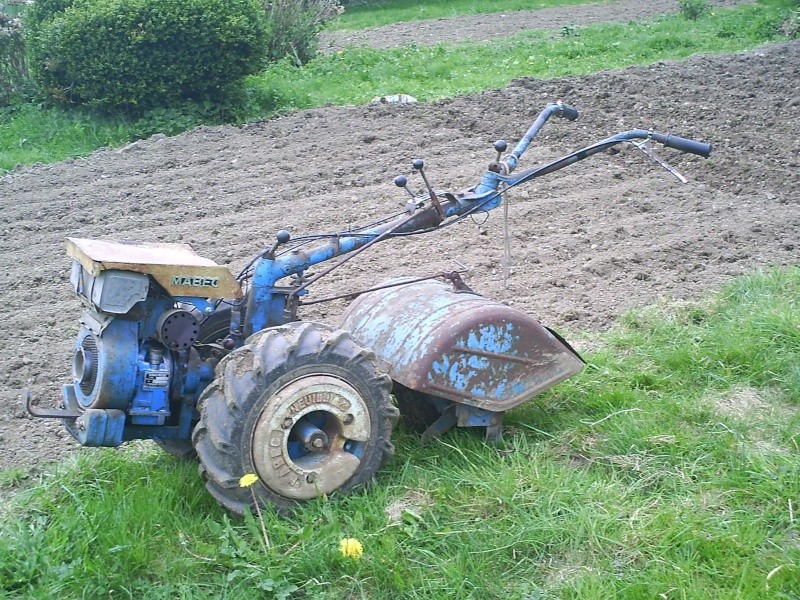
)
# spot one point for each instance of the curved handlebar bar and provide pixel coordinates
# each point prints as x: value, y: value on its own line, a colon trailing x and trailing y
x: 491, y: 180
x: 558, y: 109
x: 266, y: 301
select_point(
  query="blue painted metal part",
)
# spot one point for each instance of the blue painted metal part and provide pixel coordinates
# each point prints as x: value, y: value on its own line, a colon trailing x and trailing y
x: 201, y: 304
x: 100, y: 427
x: 150, y: 404
x: 469, y: 416
x: 109, y: 359
x: 95, y: 427
x: 459, y: 345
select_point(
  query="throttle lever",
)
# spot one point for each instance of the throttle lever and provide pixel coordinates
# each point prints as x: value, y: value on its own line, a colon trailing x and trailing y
x: 500, y: 146
x: 401, y: 182
x: 419, y: 165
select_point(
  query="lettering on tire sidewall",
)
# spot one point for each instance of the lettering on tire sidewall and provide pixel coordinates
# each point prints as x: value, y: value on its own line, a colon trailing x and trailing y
x: 315, y: 473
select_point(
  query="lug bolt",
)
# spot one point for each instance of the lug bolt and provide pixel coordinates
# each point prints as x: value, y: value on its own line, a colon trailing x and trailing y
x: 287, y: 422
x: 348, y: 419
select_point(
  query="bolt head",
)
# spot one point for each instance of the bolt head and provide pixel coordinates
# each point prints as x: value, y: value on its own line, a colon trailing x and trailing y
x: 348, y: 419
x: 287, y: 422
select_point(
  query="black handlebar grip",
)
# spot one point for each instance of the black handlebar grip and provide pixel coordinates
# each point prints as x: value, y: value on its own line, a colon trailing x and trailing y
x: 684, y: 145
x: 568, y: 112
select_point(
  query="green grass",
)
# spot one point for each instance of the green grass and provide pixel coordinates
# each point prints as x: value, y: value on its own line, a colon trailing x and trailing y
x: 357, y: 75
x: 33, y: 134
x: 668, y: 468
x: 386, y: 12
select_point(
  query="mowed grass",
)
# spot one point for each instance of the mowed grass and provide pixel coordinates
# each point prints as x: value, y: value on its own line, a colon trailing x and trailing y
x: 38, y: 134
x: 362, y: 15
x: 667, y: 469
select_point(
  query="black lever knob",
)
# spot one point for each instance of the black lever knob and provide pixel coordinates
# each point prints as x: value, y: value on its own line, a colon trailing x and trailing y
x: 500, y: 146
x: 401, y: 182
x: 282, y: 237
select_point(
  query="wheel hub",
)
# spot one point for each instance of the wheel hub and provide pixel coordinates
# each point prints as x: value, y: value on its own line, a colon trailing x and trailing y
x: 309, y: 437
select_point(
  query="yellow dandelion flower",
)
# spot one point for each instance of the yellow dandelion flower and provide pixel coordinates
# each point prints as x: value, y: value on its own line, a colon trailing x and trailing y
x: 248, y: 480
x: 351, y: 548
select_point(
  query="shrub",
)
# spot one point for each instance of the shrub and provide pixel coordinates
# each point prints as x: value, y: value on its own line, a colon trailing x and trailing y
x: 693, y: 9
x: 41, y: 11
x: 140, y: 54
x: 13, y: 70
x: 293, y: 27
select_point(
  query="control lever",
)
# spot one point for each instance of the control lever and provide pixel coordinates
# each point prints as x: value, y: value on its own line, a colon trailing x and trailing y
x: 500, y: 146
x: 282, y: 237
x: 419, y: 165
x: 401, y: 182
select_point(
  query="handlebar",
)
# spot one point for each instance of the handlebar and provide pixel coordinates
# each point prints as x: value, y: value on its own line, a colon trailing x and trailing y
x: 492, y: 180
x: 267, y: 301
x: 683, y: 144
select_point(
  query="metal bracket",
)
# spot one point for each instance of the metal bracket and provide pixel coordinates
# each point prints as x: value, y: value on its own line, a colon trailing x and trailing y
x: 646, y: 147
x: 458, y: 284
x: 48, y: 413
x: 440, y: 426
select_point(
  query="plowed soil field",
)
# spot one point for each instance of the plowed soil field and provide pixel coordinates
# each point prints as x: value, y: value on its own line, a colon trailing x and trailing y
x: 606, y: 235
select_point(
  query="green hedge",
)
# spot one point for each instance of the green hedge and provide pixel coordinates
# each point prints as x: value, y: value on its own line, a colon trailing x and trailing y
x: 140, y: 54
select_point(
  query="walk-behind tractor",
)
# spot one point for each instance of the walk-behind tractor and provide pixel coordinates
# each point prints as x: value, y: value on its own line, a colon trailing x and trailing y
x: 173, y: 348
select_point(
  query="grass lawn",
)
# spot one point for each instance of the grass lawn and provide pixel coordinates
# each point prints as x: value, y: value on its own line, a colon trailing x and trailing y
x: 385, y: 12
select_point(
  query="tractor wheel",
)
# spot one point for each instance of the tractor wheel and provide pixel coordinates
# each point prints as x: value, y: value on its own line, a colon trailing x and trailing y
x: 304, y: 408
x: 213, y: 330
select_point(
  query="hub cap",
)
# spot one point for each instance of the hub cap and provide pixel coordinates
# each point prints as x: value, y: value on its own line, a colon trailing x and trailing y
x: 309, y: 437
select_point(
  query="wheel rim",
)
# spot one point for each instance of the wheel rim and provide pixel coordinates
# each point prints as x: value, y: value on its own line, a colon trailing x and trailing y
x: 310, y: 436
